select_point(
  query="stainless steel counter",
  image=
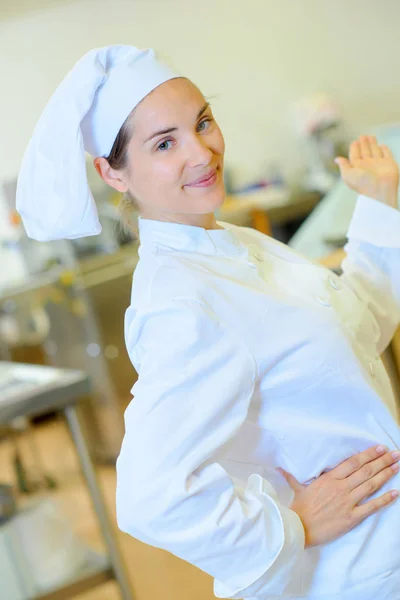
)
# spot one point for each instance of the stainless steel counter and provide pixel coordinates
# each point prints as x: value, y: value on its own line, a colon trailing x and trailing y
x: 79, y: 318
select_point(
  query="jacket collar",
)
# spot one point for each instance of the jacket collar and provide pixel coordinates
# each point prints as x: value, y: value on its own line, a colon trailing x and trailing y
x: 189, y: 238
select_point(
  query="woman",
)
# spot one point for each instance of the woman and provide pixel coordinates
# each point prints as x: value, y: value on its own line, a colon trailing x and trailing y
x: 259, y: 442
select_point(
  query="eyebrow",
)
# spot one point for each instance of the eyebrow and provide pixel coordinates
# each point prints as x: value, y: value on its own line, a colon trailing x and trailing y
x: 171, y: 129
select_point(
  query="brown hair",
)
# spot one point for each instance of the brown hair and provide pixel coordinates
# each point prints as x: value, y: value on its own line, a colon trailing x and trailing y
x: 118, y: 159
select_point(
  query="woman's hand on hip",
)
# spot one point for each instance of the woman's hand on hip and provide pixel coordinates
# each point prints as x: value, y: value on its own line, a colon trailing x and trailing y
x: 331, y: 506
x: 371, y: 170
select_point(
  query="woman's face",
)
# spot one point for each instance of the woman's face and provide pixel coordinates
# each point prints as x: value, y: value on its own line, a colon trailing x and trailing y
x: 175, y: 155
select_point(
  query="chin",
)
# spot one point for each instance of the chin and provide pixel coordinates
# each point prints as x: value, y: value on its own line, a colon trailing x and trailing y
x: 208, y: 206
x: 213, y: 200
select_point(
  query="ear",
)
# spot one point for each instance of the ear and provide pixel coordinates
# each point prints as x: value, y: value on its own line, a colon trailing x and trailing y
x: 111, y: 176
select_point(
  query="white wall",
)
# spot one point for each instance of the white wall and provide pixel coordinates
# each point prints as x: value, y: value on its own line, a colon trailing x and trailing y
x: 255, y: 57
x: 10, y: 9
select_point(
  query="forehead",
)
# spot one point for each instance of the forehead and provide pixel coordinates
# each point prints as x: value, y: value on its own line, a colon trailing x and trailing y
x: 173, y: 102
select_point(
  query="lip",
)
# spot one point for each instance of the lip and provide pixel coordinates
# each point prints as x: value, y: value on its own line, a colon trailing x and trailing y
x: 205, y: 180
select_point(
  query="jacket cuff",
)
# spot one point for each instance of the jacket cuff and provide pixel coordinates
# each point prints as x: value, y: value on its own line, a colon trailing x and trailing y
x: 375, y: 223
x: 274, y: 578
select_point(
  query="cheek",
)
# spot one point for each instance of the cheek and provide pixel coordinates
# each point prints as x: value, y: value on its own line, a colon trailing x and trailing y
x: 166, y: 171
x: 154, y: 173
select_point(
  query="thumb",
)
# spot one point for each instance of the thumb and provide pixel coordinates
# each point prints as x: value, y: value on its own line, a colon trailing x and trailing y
x: 343, y: 164
x: 292, y: 481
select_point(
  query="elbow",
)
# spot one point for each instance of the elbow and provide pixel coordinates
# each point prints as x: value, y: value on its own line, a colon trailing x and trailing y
x: 144, y: 516
x: 150, y: 496
x: 141, y: 504
x: 125, y: 511
x: 135, y: 515
x: 132, y: 511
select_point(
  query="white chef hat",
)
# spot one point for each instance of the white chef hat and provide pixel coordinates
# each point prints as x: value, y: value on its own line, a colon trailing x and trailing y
x: 85, y: 113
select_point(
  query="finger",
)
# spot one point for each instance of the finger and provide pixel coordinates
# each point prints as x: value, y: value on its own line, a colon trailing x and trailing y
x: 369, y: 508
x: 374, y: 147
x: 373, y: 485
x: 365, y: 149
x: 344, y: 165
x: 355, y: 151
x: 292, y: 481
x: 355, y: 462
x: 372, y: 468
x: 386, y: 152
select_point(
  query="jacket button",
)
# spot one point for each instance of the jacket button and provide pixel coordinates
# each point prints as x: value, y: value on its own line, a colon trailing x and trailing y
x: 333, y: 283
x: 323, y: 301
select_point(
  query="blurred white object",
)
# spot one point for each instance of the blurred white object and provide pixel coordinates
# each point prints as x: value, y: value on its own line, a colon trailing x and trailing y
x: 326, y: 228
x: 315, y: 118
x: 316, y: 113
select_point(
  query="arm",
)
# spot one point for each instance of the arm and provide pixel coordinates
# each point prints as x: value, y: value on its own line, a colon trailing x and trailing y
x: 372, y: 265
x: 195, y: 384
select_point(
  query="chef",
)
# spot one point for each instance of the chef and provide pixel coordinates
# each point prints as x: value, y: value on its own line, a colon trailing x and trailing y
x: 261, y: 442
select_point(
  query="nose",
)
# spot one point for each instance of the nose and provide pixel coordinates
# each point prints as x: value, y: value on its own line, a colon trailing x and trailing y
x: 199, y: 153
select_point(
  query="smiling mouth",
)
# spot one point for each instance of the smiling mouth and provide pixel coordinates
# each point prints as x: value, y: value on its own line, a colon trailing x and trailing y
x: 205, y: 180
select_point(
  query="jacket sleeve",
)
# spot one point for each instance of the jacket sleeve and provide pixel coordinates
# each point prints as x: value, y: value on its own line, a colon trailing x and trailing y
x: 196, y: 380
x: 372, y: 264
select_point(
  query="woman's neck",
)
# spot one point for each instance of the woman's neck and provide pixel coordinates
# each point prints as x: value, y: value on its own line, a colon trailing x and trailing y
x: 207, y: 221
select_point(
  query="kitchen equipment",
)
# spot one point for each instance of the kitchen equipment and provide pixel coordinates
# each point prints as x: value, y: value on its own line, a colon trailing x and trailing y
x: 8, y: 504
x: 28, y: 390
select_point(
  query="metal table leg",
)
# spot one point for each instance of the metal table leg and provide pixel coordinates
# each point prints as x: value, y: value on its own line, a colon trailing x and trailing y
x: 89, y: 474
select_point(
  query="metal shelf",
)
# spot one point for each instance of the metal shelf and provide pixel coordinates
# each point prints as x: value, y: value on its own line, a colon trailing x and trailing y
x: 79, y: 586
x: 28, y: 390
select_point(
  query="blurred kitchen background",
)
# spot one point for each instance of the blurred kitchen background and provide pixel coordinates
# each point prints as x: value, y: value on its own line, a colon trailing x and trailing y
x: 291, y: 84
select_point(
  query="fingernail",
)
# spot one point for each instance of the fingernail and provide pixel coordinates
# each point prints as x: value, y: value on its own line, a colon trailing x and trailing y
x: 380, y: 449
x: 395, y: 493
x: 396, y: 455
x: 395, y: 467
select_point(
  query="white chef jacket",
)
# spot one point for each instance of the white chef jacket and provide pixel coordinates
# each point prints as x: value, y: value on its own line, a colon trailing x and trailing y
x: 252, y: 357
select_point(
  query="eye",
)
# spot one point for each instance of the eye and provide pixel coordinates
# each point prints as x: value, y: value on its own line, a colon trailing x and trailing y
x: 164, y: 145
x: 204, y: 124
